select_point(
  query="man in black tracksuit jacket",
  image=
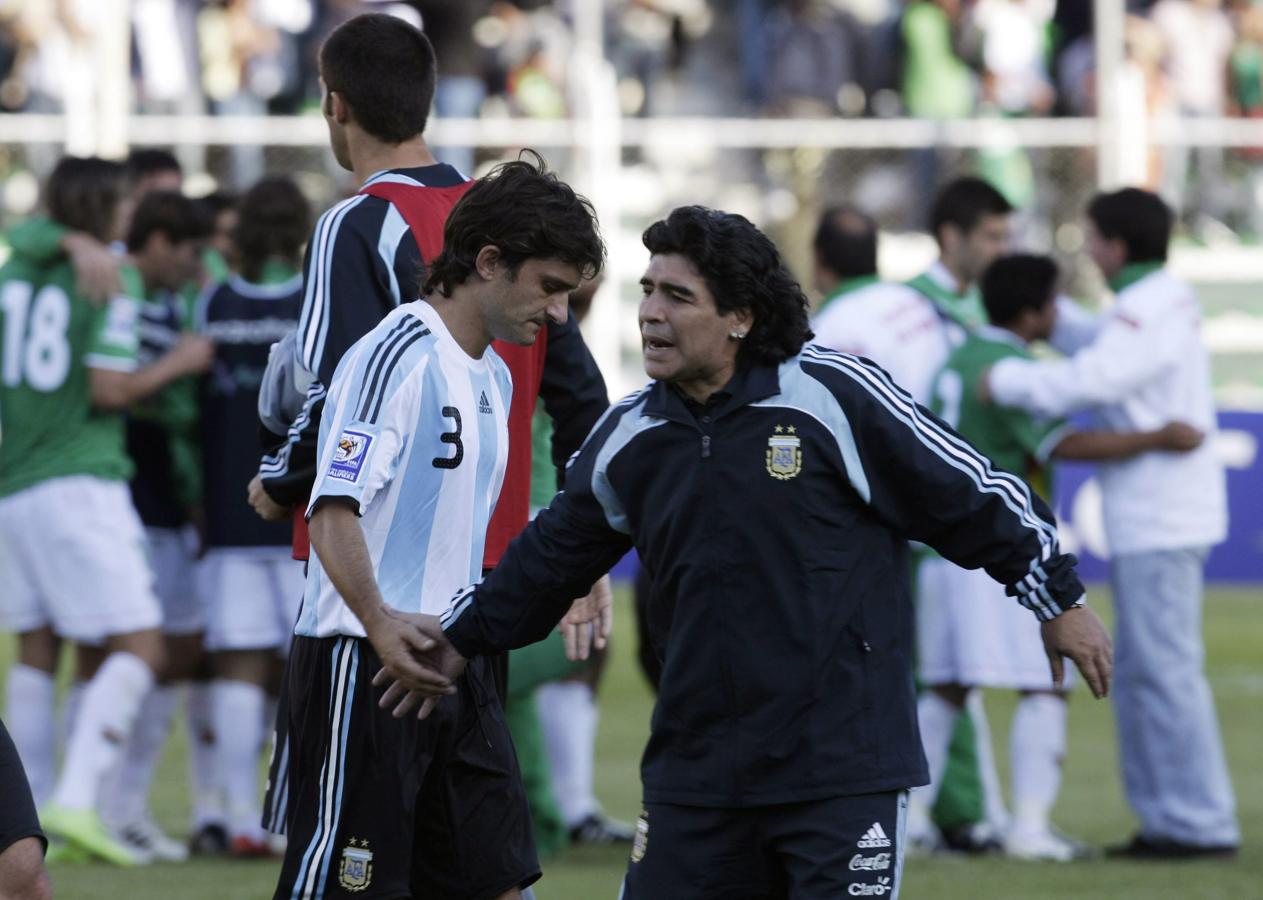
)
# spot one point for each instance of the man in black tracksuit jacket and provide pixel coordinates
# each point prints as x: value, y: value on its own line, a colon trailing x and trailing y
x: 772, y: 508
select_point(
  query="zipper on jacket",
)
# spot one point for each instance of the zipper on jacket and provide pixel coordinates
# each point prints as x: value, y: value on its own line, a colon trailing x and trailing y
x: 705, y: 446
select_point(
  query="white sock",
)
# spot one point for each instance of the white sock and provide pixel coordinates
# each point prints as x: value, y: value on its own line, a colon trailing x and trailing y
x: 993, y: 809
x: 125, y: 788
x: 937, y: 718
x: 238, y: 713
x: 31, y: 720
x: 568, y: 717
x: 111, y: 702
x: 1038, y: 746
x: 208, y: 798
x: 69, y: 714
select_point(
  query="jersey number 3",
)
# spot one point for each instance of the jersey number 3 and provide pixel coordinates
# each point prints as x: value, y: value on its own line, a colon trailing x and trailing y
x: 451, y: 437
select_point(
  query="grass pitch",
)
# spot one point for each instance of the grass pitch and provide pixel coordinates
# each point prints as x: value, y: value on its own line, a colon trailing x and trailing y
x: 1091, y: 806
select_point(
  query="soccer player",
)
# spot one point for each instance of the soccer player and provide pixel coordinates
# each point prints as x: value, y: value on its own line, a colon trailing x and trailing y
x: 164, y: 241
x: 377, y: 74
x: 247, y: 579
x: 909, y: 330
x: 69, y: 368
x: 1163, y: 512
x: 771, y: 487
x: 413, y: 449
x: 972, y: 635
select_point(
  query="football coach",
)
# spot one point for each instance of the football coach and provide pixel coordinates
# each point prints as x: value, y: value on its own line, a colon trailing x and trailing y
x: 770, y: 488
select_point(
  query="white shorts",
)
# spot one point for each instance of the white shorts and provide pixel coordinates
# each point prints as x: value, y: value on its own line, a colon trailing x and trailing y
x: 252, y: 597
x: 970, y: 632
x: 72, y: 555
x: 172, y: 556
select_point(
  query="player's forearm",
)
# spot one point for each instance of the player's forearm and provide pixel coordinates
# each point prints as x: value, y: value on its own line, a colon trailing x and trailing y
x: 339, y: 541
x: 118, y: 390
x: 1102, y: 445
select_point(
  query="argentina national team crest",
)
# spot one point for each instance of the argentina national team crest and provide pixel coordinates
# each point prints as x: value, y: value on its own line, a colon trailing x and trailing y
x: 784, y: 453
x: 355, y: 872
x: 349, y: 455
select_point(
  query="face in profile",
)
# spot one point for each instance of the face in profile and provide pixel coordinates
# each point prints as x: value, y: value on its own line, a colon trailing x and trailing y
x: 685, y: 338
x: 523, y: 302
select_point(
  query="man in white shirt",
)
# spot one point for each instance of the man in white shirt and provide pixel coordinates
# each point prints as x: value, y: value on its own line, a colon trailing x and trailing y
x: 909, y: 328
x: 1163, y: 512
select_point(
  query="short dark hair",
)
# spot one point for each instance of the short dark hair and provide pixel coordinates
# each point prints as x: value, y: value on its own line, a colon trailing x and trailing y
x: 217, y: 202
x: 171, y: 213
x: 385, y: 69
x: 83, y: 193
x: 743, y: 270
x: 273, y: 219
x: 1140, y: 219
x: 964, y: 202
x: 1013, y: 284
x: 145, y: 161
x: 528, y: 213
x: 846, y: 242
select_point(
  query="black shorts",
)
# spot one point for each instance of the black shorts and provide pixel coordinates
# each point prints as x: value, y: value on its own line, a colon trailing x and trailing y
x: 835, y: 848
x: 17, y: 808
x: 386, y: 807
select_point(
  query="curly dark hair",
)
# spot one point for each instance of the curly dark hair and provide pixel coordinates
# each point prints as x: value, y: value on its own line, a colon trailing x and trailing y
x: 179, y: 217
x: 525, y: 211
x: 273, y: 220
x: 743, y: 270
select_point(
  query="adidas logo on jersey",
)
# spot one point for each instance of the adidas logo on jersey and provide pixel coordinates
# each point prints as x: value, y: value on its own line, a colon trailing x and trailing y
x: 484, y: 405
x: 874, y: 837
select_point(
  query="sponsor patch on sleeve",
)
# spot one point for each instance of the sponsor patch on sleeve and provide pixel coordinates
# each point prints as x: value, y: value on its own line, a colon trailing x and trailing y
x: 349, y: 455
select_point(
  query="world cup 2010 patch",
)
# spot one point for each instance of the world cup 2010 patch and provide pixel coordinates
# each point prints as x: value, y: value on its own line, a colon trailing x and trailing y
x: 349, y: 455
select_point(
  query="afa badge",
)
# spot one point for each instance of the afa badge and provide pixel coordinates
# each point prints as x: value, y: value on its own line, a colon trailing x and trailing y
x: 356, y: 869
x: 349, y: 455
x: 640, y: 843
x: 784, y: 453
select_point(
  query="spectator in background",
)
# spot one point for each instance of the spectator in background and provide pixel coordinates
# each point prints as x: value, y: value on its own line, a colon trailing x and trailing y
x: 812, y: 58
x: 1247, y: 101
x: 936, y: 85
x: 1198, y: 38
x: 462, y: 83
x: 1011, y: 35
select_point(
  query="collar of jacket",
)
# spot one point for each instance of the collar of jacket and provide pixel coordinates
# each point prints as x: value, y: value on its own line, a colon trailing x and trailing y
x: 1133, y: 272
x: 749, y: 384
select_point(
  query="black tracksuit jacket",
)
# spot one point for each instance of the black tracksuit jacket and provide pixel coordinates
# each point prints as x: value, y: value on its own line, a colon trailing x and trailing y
x: 774, y: 521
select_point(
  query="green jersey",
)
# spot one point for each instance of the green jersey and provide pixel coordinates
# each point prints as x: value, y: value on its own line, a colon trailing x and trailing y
x: 1012, y: 438
x: 49, y: 339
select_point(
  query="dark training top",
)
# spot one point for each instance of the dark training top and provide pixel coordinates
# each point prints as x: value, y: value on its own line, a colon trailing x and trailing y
x: 774, y: 524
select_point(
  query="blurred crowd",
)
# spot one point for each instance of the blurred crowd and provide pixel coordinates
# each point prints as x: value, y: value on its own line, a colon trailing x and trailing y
x: 922, y: 58
x: 928, y: 59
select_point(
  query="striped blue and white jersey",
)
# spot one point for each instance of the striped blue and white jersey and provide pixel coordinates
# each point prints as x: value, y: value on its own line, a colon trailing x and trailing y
x: 415, y: 433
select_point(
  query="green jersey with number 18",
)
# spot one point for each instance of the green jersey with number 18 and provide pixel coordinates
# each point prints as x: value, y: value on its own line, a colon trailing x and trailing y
x: 49, y: 339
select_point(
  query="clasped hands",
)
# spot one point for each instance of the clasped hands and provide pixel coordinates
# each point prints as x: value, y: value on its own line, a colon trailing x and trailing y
x: 420, y: 666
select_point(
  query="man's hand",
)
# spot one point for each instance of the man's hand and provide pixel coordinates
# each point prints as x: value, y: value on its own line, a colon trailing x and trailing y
x: 1179, y: 437
x: 588, y: 623
x: 417, y: 661
x: 267, y: 508
x: 95, y: 267
x: 1079, y: 634
x: 441, y: 660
